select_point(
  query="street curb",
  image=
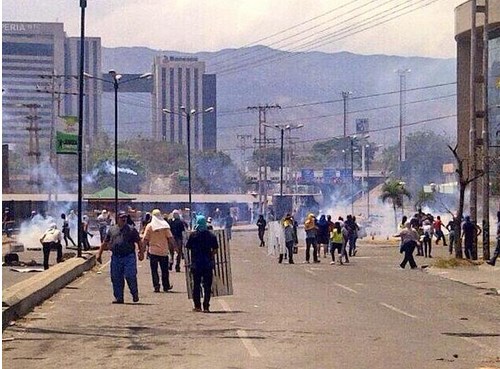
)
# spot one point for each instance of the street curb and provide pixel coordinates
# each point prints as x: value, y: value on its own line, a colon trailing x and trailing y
x: 19, y: 299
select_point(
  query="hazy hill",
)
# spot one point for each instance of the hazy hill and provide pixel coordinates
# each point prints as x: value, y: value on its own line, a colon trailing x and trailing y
x: 301, y: 78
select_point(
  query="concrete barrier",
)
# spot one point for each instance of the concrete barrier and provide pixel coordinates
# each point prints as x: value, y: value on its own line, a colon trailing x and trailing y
x: 19, y: 299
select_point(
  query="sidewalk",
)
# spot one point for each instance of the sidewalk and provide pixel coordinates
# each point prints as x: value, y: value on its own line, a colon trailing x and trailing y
x: 483, y: 276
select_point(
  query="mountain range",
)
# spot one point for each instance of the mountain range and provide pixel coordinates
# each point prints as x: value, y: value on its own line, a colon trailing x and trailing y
x: 308, y: 86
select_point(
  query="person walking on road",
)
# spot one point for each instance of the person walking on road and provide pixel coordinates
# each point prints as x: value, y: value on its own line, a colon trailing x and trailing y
x: 452, y: 227
x: 203, y: 245
x: 428, y: 229
x: 177, y: 227
x: 438, y: 224
x: 65, y: 230
x: 157, y: 238
x: 409, y: 239
x: 50, y: 240
x: 493, y: 259
x: 337, y: 240
x: 322, y: 236
x: 261, y: 229
x: 311, y: 232
x: 289, y: 238
x: 470, y: 231
x: 228, y: 225
x: 122, y: 240
x: 103, y: 222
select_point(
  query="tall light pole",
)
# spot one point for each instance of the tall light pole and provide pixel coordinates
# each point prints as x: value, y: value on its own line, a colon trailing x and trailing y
x: 83, y: 5
x: 345, y: 96
x: 188, y: 116
x: 116, y: 81
x: 368, y: 183
x: 352, y: 174
x: 402, y: 97
x: 282, y: 129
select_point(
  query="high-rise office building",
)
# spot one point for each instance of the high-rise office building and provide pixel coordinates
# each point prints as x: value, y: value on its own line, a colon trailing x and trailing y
x: 181, y: 82
x: 40, y: 83
x: 31, y: 54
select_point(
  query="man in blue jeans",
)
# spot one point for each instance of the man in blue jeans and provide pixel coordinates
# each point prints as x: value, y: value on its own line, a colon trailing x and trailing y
x: 122, y: 239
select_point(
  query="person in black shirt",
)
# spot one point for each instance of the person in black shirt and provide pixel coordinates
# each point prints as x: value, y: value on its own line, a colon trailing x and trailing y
x: 493, y: 259
x: 203, y: 245
x: 122, y: 240
x: 261, y: 229
x: 177, y: 226
x: 470, y: 232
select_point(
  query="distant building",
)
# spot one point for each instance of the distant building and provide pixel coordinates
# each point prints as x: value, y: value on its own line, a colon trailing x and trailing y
x: 40, y: 69
x: 462, y: 36
x: 92, y: 107
x: 181, y: 82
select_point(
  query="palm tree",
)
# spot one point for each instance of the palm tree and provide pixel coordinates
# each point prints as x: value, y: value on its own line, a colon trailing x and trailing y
x: 395, y: 191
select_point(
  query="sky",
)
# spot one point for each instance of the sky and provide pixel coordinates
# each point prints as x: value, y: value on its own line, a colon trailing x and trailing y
x: 196, y: 25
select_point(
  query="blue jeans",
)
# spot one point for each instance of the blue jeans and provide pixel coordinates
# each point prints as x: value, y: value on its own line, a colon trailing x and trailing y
x: 124, y: 267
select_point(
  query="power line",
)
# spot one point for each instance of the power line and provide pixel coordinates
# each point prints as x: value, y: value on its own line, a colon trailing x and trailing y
x: 348, y: 31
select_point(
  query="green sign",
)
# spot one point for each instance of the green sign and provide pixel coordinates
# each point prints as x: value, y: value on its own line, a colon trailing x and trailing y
x: 66, y: 143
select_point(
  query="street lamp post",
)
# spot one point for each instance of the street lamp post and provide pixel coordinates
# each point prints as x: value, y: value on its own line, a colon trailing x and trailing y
x: 368, y: 184
x: 282, y: 129
x: 79, y: 240
x: 352, y: 174
x: 116, y: 81
x: 188, y: 116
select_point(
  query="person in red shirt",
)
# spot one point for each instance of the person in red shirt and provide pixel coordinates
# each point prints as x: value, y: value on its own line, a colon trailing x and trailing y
x: 438, y: 231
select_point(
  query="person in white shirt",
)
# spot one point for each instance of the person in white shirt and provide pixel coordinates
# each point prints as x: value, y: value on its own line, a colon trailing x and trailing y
x: 50, y: 240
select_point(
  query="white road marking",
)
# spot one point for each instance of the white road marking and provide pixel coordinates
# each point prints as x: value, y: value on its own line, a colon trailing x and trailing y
x: 397, y: 310
x: 310, y: 271
x: 242, y: 334
x: 477, y: 343
x: 252, y: 350
x: 345, y: 288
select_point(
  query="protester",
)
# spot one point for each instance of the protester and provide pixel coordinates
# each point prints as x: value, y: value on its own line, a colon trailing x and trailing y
x: 177, y: 227
x: 261, y: 229
x: 289, y: 239
x: 438, y: 231
x: 122, y: 240
x: 103, y: 222
x: 157, y: 238
x: 144, y: 222
x: 311, y: 232
x: 322, y: 235
x: 50, y: 240
x: 85, y: 233
x: 228, y: 225
x: 65, y: 231
x: 493, y: 259
x: 345, y: 239
x: 203, y: 245
x: 470, y: 232
x: 452, y: 227
x: 337, y: 240
x: 428, y: 231
x: 210, y: 226
x: 409, y: 239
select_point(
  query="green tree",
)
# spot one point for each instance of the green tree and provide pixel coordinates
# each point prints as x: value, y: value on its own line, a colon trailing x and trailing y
x: 271, y: 157
x: 394, y: 191
x: 214, y: 172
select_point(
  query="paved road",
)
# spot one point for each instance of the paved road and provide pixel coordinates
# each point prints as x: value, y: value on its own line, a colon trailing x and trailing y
x: 368, y: 314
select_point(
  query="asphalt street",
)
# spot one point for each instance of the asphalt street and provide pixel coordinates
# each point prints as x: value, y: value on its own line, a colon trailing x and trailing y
x: 367, y: 314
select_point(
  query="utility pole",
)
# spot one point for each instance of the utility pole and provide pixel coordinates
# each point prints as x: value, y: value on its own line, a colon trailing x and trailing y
x: 345, y: 96
x: 485, y: 137
x: 55, y: 89
x: 472, y: 127
x: 243, y: 147
x: 34, y: 145
x: 262, y: 142
x: 402, y: 115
